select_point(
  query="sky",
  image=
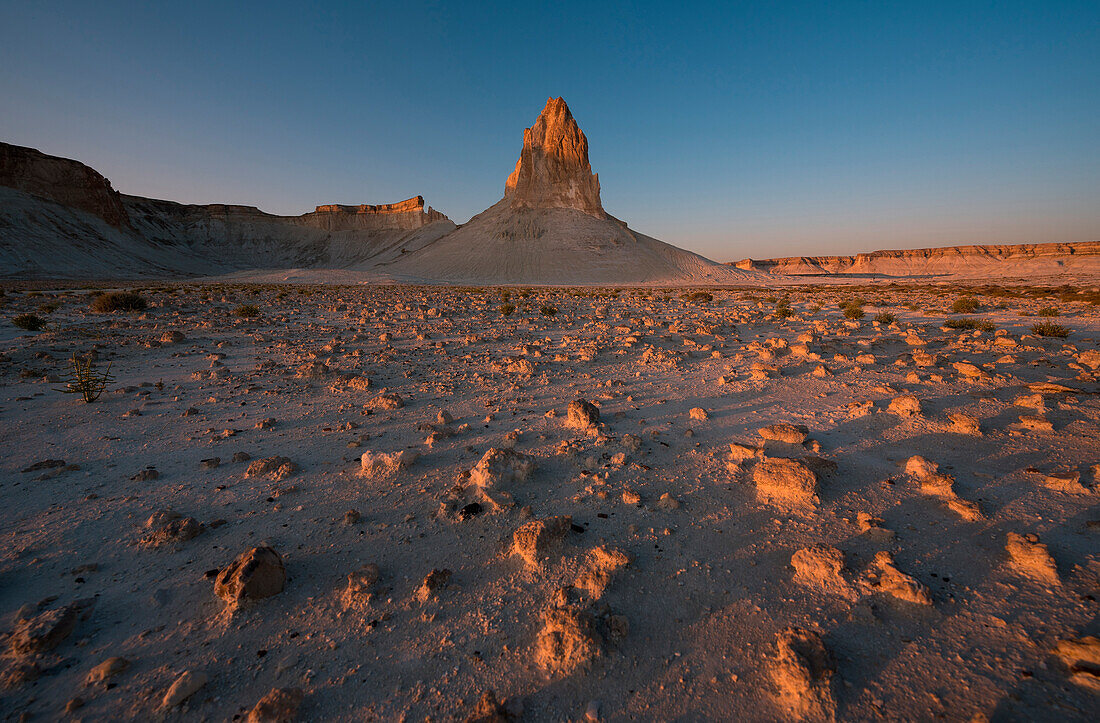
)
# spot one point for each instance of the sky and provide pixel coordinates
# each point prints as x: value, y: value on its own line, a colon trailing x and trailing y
x: 733, y: 129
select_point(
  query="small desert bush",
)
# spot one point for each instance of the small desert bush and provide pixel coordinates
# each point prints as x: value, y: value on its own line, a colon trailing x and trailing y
x: 885, y: 318
x: 548, y: 311
x: 50, y: 307
x: 1048, y: 329
x: 783, y: 312
x: 698, y: 297
x: 853, y: 312
x: 119, y: 301
x: 1047, y: 311
x: 965, y: 305
x: 971, y: 324
x: 247, y: 311
x: 29, y: 322
x: 507, y: 309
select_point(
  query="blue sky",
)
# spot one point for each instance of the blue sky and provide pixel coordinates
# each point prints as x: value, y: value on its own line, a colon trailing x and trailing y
x: 733, y: 129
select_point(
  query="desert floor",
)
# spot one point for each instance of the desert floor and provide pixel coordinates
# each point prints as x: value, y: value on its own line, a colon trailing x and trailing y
x: 706, y: 571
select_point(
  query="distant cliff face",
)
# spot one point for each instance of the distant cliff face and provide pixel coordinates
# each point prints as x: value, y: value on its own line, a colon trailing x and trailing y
x: 408, y: 214
x: 69, y: 183
x: 553, y: 169
x: 949, y: 259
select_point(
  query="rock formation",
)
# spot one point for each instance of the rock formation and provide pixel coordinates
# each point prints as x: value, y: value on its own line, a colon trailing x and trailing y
x: 954, y: 260
x: 553, y: 170
x: 66, y: 182
x: 408, y: 214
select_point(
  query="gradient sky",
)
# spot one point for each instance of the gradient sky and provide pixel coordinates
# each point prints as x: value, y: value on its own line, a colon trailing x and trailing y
x: 733, y: 129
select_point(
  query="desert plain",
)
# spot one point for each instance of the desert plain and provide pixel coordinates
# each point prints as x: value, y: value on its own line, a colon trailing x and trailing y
x: 387, y: 502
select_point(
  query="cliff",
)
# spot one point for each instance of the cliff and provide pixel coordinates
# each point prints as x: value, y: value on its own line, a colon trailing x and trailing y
x: 408, y: 214
x: 949, y: 260
x: 63, y: 181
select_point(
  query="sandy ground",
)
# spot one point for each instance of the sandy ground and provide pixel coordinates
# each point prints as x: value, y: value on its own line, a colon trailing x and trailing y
x: 897, y: 557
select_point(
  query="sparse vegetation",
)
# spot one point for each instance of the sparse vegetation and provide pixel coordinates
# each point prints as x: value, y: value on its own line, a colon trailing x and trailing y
x: 971, y: 324
x: 85, y: 380
x: 49, y: 307
x: 853, y: 312
x: 1048, y: 311
x: 1048, y: 329
x: 965, y: 305
x: 886, y: 318
x: 119, y: 301
x: 507, y: 309
x: 247, y: 311
x: 548, y: 311
x: 29, y: 322
x: 698, y: 297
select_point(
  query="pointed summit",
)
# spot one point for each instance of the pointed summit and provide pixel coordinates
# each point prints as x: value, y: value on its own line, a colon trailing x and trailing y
x: 553, y: 170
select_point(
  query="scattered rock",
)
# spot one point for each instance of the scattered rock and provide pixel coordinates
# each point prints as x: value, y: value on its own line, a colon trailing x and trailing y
x: 273, y: 468
x: 964, y: 424
x: 1031, y: 558
x: 501, y: 467
x: 48, y: 629
x: 786, y: 433
x: 884, y: 577
x: 255, y: 574
x: 802, y: 672
x: 906, y: 405
x: 373, y: 464
x: 433, y: 583
x: 786, y: 483
x: 280, y: 705
x: 185, y: 686
x: 360, y: 586
x: 535, y: 539
x: 582, y: 415
x: 105, y: 671
x: 821, y: 567
x: 168, y: 527
x: 1081, y: 658
x: 599, y: 566
x: 574, y: 633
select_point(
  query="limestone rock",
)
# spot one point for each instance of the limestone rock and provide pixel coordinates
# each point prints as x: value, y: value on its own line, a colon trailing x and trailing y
x: 1081, y: 658
x: 273, y: 468
x: 787, y: 483
x: 884, y: 577
x: 255, y: 574
x: 535, y: 539
x: 280, y: 705
x: 1031, y: 558
x: 553, y: 169
x: 821, y: 567
x: 372, y: 464
x: 574, y: 633
x: 46, y: 630
x: 582, y: 415
x: 167, y: 527
x: 802, y: 672
x: 435, y: 581
x: 599, y: 565
x: 783, y: 432
x: 499, y: 467
x: 106, y: 670
x: 185, y: 686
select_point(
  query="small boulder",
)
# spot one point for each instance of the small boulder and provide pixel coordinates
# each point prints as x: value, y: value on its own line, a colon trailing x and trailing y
x: 280, y: 705
x: 786, y: 483
x: 185, y: 686
x: 582, y: 415
x: 255, y: 574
